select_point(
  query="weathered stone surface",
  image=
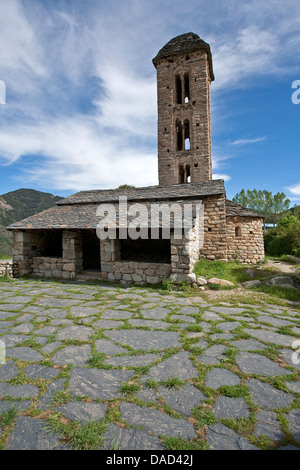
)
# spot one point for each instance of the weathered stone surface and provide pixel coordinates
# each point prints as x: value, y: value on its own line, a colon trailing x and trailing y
x: 220, y: 282
x: 132, y: 361
x: 211, y: 316
x: 37, y: 371
x: 117, y: 438
x: 46, y: 401
x: 152, y: 324
x: 107, y: 324
x: 83, y: 411
x: 229, y: 310
x: 83, y: 311
x: 95, y: 383
x: 75, y: 332
x: 254, y: 283
x: 147, y: 340
x: 24, y: 354
x: 156, y: 421
x: 248, y: 345
x: 292, y: 358
x: 22, y: 328
x: 30, y: 434
x: 218, y: 377
x: 212, y: 355
x: 220, y: 437
x: 55, y: 302
x: 179, y: 365
x: 268, y: 425
x: 76, y: 355
x: 228, y: 325
x: 182, y: 399
x: 251, y: 363
x: 233, y: 408
x: 116, y: 314
x: 109, y: 348
x: 270, y: 337
x: 294, y: 423
x: 18, y: 391
x: 156, y: 313
x: 8, y: 371
x: 267, y: 396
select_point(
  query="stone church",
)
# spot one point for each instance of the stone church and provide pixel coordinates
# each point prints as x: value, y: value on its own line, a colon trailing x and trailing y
x: 63, y: 242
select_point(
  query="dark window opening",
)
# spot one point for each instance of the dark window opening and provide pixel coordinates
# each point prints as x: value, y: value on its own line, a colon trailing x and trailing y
x: 178, y: 89
x: 51, y: 243
x: 187, y: 143
x: 184, y: 174
x: 179, y: 135
x: 181, y: 174
x: 186, y: 88
x: 90, y: 250
x: 196, y: 165
x: 146, y: 250
x: 188, y: 173
x: 238, y: 231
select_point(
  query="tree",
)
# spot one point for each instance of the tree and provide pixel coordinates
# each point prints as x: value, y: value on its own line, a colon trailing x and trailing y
x: 264, y: 203
x: 125, y: 186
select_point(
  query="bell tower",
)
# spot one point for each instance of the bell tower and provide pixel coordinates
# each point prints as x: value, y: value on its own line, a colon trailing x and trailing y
x: 184, y: 74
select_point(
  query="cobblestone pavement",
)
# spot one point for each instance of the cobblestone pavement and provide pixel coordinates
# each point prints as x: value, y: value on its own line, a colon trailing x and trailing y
x: 138, y: 369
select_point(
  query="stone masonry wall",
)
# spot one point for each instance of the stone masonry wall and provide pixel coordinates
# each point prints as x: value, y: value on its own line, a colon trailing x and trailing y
x: 215, y: 235
x: 245, y: 240
x: 129, y: 271
x: 6, y: 268
x: 196, y: 111
x: 47, y: 266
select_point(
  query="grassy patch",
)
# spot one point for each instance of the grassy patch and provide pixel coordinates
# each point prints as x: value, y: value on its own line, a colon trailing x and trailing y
x: 88, y: 437
x: 279, y: 292
x: 231, y: 271
x: 173, y: 382
x: 177, y: 443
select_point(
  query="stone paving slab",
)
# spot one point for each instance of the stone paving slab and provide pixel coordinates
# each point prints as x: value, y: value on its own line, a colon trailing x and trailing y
x: 115, y: 355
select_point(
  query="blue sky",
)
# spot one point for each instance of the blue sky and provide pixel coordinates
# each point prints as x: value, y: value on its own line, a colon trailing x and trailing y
x: 81, y: 111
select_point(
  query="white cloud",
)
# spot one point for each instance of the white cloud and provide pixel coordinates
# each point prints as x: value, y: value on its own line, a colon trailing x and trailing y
x: 295, y: 190
x: 49, y: 54
x: 248, y: 141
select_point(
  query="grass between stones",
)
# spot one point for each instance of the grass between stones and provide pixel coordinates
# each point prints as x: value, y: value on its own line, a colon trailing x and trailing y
x: 87, y: 437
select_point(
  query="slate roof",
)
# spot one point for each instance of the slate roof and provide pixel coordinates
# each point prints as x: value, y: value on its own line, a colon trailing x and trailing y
x: 175, y: 191
x: 79, y: 210
x: 236, y: 210
x: 184, y: 44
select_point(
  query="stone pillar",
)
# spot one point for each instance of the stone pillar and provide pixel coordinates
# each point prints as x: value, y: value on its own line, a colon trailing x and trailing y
x: 110, y: 251
x: 72, y: 254
x: 22, y: 255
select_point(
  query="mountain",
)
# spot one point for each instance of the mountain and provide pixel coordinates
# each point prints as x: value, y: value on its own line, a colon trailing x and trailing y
x: 17, y: 205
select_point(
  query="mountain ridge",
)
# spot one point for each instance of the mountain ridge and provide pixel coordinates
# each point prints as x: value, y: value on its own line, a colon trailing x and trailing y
x: 17, y: 205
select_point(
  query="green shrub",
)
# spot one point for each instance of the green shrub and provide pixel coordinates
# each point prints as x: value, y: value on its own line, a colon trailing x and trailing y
x: 285, y: 238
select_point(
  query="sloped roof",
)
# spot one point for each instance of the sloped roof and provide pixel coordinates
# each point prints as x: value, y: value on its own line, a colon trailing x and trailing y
x: 79, y: 210
x: 175, y: 191
x: 184, y: 44
x: 236, y: 210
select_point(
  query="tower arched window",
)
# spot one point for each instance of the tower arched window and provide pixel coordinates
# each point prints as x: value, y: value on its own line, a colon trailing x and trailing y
x: 178, y: 85
x: 187, y: 142
x: 179, y: 135
x: 184, y: 172
x: 238, y: 231
x: 187, y: 173
x: 186, y: 80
